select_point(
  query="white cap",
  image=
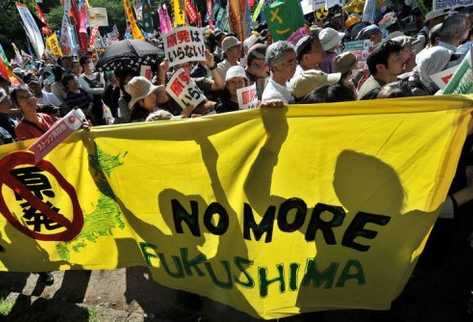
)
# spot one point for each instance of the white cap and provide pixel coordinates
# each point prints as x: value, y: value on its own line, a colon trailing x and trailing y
x: 229, y: 42
x: 235, y: 71
x: 330, y: 38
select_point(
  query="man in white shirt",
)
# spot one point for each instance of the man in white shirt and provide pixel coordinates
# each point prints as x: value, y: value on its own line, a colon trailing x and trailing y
x: 231, y: 47
x: 281, y: 59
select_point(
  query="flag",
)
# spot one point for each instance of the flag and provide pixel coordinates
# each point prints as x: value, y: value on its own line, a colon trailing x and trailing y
x: 236, y: 12
x: 18, y: 57
x: 191, y: 12
x: 6, y: 71
x: 69, y: 42
x: 31, y: 29
x: 83, y: 24
x: 133, y: 25
x: 284, y: 18
x: 258, y: 9
x: 147, y: 21
x: 165, y: 25
x: 369, y: 11
x: 210, y: 10
x: 52, y: 43
x: 45, y: 28
x: 179, y: 18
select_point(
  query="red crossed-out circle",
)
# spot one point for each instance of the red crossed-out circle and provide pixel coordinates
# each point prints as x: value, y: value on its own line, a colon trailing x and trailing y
x: 24, y: 158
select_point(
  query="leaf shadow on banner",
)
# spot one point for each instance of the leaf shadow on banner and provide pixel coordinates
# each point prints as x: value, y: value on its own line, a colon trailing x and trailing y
x: 176, y: 242
x: 365, y: 183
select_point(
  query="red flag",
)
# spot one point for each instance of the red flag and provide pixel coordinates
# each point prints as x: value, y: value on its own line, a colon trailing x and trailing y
x: 191, y: 12
x: 45, y: 29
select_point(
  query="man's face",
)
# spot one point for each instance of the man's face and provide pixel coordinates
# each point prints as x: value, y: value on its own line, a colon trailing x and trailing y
x: 234, y: 53
x: 287, y: 65
x: 316, y: 55
x: 395, y: 63
x: 258, y: 68
x: 6, y: 105
x: 73, y: 85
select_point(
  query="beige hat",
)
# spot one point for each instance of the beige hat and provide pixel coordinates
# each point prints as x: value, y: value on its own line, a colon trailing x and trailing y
x: 344, y: 62
x: 235, y: 71
x: 312, y: 79
x: 139, y: 87
x: 229, y: 42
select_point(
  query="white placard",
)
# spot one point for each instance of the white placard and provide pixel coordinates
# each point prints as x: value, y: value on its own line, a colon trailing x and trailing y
x: 98, y: 17
x: 184, y: 44
x: 332, y: 3
x: 184, y: 90
x: 442, y: 78
x: 361, y: 49
x: 247, y: 97
x: 309, y: 6
x: 450, y: 4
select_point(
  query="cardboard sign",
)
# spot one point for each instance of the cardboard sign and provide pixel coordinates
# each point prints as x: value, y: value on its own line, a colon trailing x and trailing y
x: 52, y: 43
x: 146, y: 71
x: 98, y: 17
x: 247, y: 97
x: 184, y: 44
x: 57, y: 133
x: 450, y: 4
x: 361, y: 49
x: 442, y: 78
x: 184, y: 90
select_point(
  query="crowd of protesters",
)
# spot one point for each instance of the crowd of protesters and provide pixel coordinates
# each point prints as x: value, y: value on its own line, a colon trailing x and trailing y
x: 312, y: 69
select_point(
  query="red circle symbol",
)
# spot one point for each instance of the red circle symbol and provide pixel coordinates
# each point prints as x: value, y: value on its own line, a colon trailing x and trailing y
x: 15, y: 159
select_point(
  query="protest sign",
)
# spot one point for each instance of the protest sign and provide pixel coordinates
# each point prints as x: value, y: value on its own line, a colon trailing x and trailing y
x: 442, y: 78
x: 184, y: 90
x: 271, y: 211
x: 332, y: 3
x: 146, y: 71
x: 57, y: 133
x: 184, y: 44
x: 309, y: 6
x: 98, y: 17
x: 361, y: 49
x: 52, y: 43
x: 247, y: 97
x: 284, y: 18
x: 462, y: 80
x: 450, y: 4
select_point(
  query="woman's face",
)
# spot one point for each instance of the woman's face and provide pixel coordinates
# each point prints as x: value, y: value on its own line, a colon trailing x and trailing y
x: 26, y: 101
x: 149, y: 102
x: 234, y: 84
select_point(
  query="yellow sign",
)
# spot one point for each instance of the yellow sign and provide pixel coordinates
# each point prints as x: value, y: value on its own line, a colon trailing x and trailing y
x: 178, y: 12
x: 273, y: 212
x: 135, y: 30
x: 52, y: 43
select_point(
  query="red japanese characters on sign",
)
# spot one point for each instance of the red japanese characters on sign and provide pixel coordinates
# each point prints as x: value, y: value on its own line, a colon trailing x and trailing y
x: 184, y: 90
x: 184, y: 44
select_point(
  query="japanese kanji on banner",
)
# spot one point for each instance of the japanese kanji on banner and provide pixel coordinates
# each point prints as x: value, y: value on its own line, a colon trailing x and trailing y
x: 184, y: 44
x: 271, y: 211
x: 52, y: 43
x: 184, y: 90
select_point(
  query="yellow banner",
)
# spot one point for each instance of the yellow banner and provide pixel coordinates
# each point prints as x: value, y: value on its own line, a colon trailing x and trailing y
x: 273, y: 212
x: 178, y: 12
x: 130, y: 16
x: 52, y: 43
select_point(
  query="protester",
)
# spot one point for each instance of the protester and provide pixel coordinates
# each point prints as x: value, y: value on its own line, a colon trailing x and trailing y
x: 33, y: 124
x: 235, y: 79
x: 331, y: 41
x: 76, y: 97
x: 257, y: 71
x: 281, y: 59
x: 143, y: 102
x: 7, y: 123
x: 384, y: 65
x: 232, y: 51
x: 44, y: 98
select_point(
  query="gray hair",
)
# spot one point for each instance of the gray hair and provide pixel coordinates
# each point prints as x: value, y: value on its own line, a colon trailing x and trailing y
x: 453, y: 26
x: 276, y: 51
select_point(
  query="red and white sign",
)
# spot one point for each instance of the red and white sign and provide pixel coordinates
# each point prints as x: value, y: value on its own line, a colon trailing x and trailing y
x: 184, y: 90
x: 184, y: 44
x: 57, y: 133
x: 442, y: 78
x: 247, y: 97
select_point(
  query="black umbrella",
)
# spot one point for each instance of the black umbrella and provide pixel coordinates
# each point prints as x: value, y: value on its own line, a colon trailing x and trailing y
x: 129, y: 54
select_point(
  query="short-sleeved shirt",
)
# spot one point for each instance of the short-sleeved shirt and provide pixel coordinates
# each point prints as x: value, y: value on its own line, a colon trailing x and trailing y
x: 275, y: 91
x: 27, y: 130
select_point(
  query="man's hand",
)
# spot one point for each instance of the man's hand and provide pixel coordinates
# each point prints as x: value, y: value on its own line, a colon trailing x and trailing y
x: 209, y: 59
